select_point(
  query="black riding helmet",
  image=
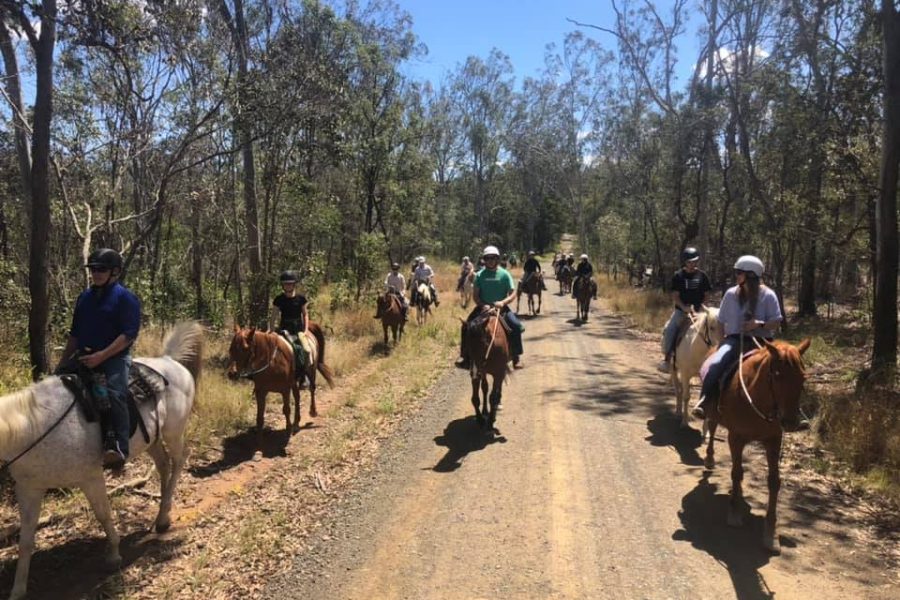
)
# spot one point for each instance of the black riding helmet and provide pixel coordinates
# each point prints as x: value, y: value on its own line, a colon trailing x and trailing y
x: 105, y: 258
x: 288, y: 277
x: 690, y: 253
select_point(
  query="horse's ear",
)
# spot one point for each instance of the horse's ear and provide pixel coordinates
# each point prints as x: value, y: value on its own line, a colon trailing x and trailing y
x: 236, y: 328
x: 804, y: 346
x: 250, y: 333
x: 772, y: 348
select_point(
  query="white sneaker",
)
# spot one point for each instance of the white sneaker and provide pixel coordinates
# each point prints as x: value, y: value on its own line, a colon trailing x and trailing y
x: 664, y: 366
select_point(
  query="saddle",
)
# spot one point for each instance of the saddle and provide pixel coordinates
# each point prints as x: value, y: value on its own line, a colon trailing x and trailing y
x: 479, y: 322
x: 730, y: 370
x: 144, y: 386
x: 301, y: 356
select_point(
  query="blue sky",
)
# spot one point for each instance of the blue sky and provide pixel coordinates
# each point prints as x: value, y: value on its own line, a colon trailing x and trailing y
x: 456, y: 29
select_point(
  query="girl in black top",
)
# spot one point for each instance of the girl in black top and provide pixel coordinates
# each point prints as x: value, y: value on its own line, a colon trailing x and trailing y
x: 291, y: 306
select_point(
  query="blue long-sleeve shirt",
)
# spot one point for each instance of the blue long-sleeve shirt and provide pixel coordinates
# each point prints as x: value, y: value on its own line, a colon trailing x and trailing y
x: 103, y: 314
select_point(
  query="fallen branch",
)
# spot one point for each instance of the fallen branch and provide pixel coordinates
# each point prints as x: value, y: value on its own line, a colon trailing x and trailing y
x: 320, y: 485
x: 130, y: 485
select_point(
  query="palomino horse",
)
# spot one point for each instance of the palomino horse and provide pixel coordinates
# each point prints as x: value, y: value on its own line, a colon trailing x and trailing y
x: 267, y: 359
x: 423, y: 302
x: 703, y: 334
x: 48, y: 443
x: 488, y: 347
x: 468, y: 285
x: 760, y: 403
x: 584, y: 291
x: 390, y: 311
x: 564, y: 277
x: 532, y: 287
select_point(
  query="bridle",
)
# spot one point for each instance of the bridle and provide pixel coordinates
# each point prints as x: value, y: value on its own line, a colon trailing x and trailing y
x: 250, y: 374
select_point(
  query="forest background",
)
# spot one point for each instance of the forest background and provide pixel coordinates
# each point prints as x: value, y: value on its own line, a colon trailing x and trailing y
x: 217, y: 142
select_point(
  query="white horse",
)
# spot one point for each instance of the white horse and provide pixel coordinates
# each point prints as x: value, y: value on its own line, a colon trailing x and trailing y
x: 465, y: 295
x: 703, y: 334
x: 423, y: 302
x: 69, y: 455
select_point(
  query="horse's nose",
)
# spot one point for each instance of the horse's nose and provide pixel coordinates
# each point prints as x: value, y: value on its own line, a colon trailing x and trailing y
x: 232, y: 373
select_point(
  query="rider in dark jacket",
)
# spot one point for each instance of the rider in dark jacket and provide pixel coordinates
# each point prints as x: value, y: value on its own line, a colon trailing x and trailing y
x: 532, y: 268
x: 583, y: 272
x: 105, y: 324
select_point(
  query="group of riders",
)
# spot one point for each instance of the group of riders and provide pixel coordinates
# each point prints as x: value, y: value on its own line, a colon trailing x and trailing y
x: 107, y: 318
x: 749, y: 311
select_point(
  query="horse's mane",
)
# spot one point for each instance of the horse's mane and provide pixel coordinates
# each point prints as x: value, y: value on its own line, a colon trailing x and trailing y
x: 18, y: 418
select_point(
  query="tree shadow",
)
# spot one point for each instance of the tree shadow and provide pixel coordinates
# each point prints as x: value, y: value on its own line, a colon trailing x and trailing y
x: 461, y: 437
x: 703, y: 518
x: 576, y: 322
x: 666, y: 431
x: 76, y: 568
x: 243, y: 447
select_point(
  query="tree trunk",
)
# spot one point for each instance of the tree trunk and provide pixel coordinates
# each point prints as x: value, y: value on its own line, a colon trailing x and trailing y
x: 884, y: 317
x: 39, y: 312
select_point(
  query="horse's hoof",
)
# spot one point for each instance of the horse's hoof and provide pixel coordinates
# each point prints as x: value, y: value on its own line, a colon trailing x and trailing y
x: 709, y: 462
x: 112, y: 563
x: 163, y: 526
x: 734, y: 518
x: 313, y: 413
x: 295, y: 428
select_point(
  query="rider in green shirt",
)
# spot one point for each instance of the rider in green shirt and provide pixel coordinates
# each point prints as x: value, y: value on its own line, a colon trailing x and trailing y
x: 494, y: 286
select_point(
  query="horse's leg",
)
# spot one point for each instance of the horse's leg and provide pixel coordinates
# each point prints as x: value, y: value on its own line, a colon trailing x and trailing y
x: 496, y: 395
x: 95, y: 491
x: 518, y: 299
x: 286, y: 409
x: 162, y: 461
x: 295, y: 392
x: 476, y: 401
x: 260, y: 415
x: 29, y: 500
x: 736, y: 445
x: 710, y: 460
x: 385, y: 328
x: 311, y: 375
x: 770, y: 530
x: 539, y: 302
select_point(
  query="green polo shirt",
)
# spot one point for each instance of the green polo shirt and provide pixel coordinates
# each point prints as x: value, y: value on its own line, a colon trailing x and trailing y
x: 494, y: 286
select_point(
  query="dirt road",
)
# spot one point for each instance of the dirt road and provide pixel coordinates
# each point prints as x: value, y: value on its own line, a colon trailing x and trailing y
x: 590, y: 491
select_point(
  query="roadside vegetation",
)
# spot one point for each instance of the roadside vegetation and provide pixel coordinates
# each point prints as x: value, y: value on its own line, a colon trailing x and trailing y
x: 856, y: 427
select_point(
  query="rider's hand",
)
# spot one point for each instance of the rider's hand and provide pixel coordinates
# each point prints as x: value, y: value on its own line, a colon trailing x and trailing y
x: 752, y: 324
x: 92, y: 360
x: 498, y: 304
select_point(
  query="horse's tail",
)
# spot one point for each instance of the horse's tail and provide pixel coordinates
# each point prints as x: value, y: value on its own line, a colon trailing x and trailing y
x: 184, y: 344
x: 324, y: 369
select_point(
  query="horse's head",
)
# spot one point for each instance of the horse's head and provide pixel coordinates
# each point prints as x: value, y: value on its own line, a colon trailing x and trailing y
x: 708, y: 322
x: 787, y: 375
x: 240, y: 353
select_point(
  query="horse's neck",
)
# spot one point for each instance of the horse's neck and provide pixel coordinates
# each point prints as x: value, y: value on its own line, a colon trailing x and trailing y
x: 18, y: 419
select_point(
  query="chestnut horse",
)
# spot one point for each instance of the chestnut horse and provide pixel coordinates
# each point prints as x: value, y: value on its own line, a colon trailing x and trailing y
x: 488, y: 349
x: 267, y: 359
x: 759, y: 404
x: 532, y: 287
x: 390, y: 311
x: 564, y: 277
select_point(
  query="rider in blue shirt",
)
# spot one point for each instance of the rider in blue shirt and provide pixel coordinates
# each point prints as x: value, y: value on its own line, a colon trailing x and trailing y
x: 104, y: 326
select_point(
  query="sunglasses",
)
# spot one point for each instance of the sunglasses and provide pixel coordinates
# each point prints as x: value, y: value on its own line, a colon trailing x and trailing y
x: 491, y: 258
x: 99, y: 269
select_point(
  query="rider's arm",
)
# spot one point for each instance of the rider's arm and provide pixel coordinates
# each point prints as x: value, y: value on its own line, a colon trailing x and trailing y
x: 95, y: 359
x: 71, y: 346
x: 305, y: 320
x: 676, y: 298
x: 274, y: 315
x: 506, y: 301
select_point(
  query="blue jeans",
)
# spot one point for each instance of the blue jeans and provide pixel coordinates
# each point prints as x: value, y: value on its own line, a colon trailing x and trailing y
x: 117, y: 423
x: 515, y: 332
x: 725, y: 355
x: 671, y: 330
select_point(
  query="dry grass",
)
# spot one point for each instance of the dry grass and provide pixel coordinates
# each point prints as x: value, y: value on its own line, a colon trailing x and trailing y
x: 647, y: 309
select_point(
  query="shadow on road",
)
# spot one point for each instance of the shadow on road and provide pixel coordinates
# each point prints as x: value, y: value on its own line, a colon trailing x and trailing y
x: 666, y: 431
x: 76, y: 569
x: 703, y: 518
x: 461, y: 437
x: 241, y: 448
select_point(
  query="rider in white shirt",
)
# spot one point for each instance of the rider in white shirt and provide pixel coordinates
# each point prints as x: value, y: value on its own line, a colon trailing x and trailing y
x: 395, y: 283
x: 425, y: 273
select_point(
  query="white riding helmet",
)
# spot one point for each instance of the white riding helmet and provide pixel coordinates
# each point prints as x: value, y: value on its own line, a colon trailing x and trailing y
x: 491, y: 251
x: 420, y: 259
x: 750, y: 264
x: 466, y: 258
x: 583, y: 257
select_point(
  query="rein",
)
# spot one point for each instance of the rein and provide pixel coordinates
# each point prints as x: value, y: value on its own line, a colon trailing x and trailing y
x: 496, y: 313
x: 250, y: 374
x: 8, y: 463
x: 744, y: 384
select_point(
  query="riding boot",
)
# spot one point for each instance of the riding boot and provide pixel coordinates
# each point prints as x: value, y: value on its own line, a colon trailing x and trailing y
x: 435, y: 296
x: 703, y: 405
x: 464, y: 362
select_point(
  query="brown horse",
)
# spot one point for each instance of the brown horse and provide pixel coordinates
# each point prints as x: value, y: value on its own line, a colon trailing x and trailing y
x: 584, y: 291
x: 760, y: 403
x: 564, y: 276
x: 532, y: 287
x: 390, y: 311
x: 488, y: 349
x: 267, y: 359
